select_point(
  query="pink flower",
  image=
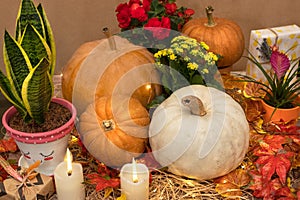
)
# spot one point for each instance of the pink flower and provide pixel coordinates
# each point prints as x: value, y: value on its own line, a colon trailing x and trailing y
x: 280, y: 63
x: 170, y: 8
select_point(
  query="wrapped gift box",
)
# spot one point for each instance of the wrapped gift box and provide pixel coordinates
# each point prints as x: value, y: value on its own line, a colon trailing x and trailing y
x: 41, y: 188
x: 288, y: 39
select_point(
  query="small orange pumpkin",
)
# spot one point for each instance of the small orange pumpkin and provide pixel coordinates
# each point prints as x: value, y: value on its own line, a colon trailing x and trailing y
x: 115, y: 129
x: 223, y: 36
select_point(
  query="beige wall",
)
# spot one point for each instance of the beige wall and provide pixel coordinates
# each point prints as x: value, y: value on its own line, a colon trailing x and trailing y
x: 75, y: 22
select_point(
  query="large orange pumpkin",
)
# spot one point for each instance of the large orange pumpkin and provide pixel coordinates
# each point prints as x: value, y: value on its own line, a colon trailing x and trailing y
x: 115, y: 129
x: 97, y: 70
x: 223, y: 36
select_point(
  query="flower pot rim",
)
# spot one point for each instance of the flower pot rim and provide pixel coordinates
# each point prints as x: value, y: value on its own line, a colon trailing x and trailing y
x: 269, y: 106
x: 41, y: 137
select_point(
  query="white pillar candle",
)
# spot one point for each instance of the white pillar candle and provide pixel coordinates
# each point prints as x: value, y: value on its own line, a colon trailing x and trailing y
x: 68, y: 178
x: 135, y: 181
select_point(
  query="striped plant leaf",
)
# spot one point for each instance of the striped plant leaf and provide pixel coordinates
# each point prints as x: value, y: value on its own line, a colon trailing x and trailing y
x: 49, y: 38
x: 34, y: 45
x: 37, y: 91
x: 28, y: 14
x: 17, y: 64
x: 6, y: 90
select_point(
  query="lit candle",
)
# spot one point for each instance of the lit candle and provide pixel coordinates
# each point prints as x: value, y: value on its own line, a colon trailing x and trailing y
x: 135, y: 181
x: 68, y: 178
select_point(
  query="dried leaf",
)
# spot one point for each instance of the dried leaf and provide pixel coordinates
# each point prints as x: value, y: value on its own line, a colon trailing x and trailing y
x: 108, y: 191
x: 230, y: 184
x: 8, y: 145
x: 253, y: 91
x: 122, y: 197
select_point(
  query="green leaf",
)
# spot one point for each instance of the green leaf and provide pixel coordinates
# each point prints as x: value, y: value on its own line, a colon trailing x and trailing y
x: 49, y: 39
x: 17, y: 64
x: 28, y: 14
x: 37, y: 91
x: 34, y: 45
x: 6, y: 90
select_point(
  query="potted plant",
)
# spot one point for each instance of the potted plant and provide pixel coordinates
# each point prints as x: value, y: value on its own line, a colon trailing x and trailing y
x: 279, y: 94
x: 39, y: 123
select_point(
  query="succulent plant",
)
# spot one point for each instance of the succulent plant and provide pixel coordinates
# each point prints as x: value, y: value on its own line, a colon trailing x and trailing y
x: 29, y: 59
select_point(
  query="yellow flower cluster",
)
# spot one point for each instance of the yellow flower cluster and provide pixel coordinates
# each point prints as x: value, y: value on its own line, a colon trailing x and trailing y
x: 190, y: 50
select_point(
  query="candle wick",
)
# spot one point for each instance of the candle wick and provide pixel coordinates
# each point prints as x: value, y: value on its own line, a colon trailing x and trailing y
x: 69, y: 173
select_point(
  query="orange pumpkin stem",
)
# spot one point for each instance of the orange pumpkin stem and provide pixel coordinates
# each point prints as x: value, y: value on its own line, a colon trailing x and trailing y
x: 209, y: 13
x: 111, y: 40
x: 194, y: 104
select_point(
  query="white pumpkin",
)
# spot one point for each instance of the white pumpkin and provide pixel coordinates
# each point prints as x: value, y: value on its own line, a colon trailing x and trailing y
x: 204, y: 145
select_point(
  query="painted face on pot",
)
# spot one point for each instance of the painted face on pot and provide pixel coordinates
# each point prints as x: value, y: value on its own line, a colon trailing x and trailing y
x: 50, y: 154
x: 42, y: 156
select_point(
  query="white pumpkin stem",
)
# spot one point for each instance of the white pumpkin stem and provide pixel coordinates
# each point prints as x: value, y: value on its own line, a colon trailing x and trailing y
x: 194, y: 104
x: 111, y: 40
x: 209, y: 13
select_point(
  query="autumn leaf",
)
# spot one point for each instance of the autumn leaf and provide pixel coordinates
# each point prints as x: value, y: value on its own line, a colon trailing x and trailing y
x: 102, y: 182
x: 253, y: 90
x: 230, y: 184
x: 279, y: 163
x: 8, y: 145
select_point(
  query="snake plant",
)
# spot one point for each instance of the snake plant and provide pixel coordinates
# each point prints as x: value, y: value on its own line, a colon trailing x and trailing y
x: 29, y: 60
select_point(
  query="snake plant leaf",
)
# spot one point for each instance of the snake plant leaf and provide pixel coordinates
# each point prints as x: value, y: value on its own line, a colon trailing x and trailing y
x: 37, y: 91
x: 34, y: 45
x: 49, y: 38
x: 17, y: 64
x: 28, y: 14
x: 5, y: 89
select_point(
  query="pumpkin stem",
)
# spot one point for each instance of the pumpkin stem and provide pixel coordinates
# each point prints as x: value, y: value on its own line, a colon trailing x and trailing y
x: 209, y: 13
x: 194, y: 104
x: 108, y: 125
x: 111, y: 40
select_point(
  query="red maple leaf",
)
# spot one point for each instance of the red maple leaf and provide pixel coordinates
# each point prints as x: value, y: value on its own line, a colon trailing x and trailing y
x: 102, y: 182
x: 269, y: 190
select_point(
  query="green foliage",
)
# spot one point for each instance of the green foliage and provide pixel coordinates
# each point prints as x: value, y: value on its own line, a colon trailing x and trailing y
x: 30, y: 61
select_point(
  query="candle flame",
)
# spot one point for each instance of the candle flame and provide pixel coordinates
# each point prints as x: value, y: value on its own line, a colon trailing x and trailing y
x: 69, y: 159
x: 134, y: 172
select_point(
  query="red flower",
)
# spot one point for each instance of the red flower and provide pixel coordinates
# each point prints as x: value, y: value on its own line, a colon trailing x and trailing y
x: 139, y: 13
x: 159, y: 29
x: 123, y: 18
x: 170, y: 8
x: 122, y: 6
x: 146, y: 5
x: 189, y: 12
x: 134, y: 2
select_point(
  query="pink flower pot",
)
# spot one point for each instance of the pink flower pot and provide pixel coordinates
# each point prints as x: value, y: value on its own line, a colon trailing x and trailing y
x: 49, y: 147
x: 286, y: 115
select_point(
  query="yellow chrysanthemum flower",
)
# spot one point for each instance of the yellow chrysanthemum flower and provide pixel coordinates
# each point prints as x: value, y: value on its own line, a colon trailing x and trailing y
x: 205, y: 71
x: 172, y: 57
x: 204, y: 45
x: 158, y: 54
x: 192, y: 66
